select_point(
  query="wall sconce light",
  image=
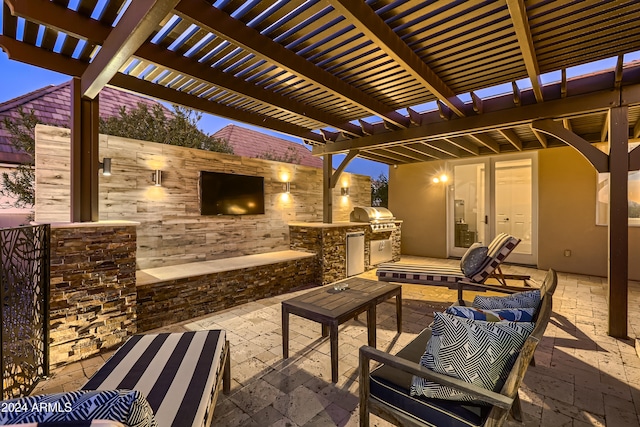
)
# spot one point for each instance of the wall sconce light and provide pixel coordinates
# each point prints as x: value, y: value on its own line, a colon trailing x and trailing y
x: 344, y: 191
x: 286, y: 187
x: 105, y: 165
x: 441, y: 178
x: 156, y: 177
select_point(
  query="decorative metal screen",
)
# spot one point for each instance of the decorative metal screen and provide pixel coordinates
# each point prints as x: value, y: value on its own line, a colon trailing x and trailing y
x: 24, y: 291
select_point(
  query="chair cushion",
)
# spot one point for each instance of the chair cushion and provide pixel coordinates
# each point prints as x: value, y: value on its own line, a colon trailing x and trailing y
x: 505, y: 314
x: 526, y: 299
x: 481, y: 353
x: 473, y: 259
x: 392, y: 386
x: 126, y: 406
x: 419, y: 273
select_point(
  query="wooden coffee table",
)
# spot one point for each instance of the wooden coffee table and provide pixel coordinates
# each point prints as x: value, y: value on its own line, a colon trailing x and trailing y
x: 332, y: 308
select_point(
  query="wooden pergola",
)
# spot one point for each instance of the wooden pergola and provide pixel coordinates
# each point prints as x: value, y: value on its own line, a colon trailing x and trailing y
x: 353, y: 76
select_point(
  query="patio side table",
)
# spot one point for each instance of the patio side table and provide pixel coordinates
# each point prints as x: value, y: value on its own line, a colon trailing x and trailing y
x: 332, y: 308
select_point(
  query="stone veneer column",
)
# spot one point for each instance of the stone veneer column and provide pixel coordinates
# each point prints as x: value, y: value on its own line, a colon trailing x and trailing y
x: 93, y: 288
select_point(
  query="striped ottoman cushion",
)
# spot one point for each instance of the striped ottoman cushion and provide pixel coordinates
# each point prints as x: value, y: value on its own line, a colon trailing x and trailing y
x: 178, y: 373
x: 421, y: 274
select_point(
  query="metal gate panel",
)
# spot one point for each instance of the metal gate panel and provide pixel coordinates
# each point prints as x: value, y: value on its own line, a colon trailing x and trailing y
x: 24, y: 292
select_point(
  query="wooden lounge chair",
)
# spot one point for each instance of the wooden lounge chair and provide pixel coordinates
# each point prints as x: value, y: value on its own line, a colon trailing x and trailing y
x: 425, y: 274
x: 385, y: 391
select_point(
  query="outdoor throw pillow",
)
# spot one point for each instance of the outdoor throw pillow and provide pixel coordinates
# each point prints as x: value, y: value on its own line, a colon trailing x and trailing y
x: 527, y: 299
x: 480, y: 353
x: 473, y: 260
x: 501, y: 315
x: 126, y: 406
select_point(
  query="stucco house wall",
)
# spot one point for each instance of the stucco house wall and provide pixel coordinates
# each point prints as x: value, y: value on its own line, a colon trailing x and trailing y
x: 171, y: 229
x: 566, y: 214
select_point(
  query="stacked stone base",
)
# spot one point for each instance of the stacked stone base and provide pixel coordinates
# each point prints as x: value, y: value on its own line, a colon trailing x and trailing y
x: 167, y: 302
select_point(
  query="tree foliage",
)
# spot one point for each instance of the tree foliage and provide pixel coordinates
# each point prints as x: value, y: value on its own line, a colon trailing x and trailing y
x: 380, y: 191
x: 143, y: 123
x: 290, y: 156
x: 153, y: 124
x: 19, y: 183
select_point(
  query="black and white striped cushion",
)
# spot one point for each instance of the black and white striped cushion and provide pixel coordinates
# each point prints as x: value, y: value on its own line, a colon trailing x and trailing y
x: 176, y: 372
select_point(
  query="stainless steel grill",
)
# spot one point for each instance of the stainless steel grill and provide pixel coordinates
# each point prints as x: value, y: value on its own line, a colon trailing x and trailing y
x: 380, y: 219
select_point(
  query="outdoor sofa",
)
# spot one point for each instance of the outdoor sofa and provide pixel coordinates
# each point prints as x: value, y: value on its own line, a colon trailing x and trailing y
x: 167, y: 379
x: 476, y: 266
x: 396, y: 390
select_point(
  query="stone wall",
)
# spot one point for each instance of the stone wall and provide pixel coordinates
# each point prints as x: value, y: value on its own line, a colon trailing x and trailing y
x: 329, y: 241
x: 171, y: 229
x: 93, y: 289
x: 164, y: 303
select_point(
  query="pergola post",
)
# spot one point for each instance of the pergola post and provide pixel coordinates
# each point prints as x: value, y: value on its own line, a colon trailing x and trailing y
x: 618, y: 221
x: 617, y: 163
x: 84, y: 155
x: 327, y: 189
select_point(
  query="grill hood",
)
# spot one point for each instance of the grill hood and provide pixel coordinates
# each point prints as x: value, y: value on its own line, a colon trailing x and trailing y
x: 371, y: 214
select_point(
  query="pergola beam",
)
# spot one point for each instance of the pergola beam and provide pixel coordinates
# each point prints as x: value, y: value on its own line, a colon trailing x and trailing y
x: 25, y: 53
x: 336, y: 175
x: 181, y: 98
x: 511, y: 117
x: 411, y: 154
x: 486, y: 141
x: 133, y: 29
x: 217, y: 22
x: 47, y: 13
x: 462, y: 143
x: 512, y: 137
x: 446, y: 147
x: 373, y: 27
x: 541, y: 137
x: 518, y: 12
x: 597, y: 158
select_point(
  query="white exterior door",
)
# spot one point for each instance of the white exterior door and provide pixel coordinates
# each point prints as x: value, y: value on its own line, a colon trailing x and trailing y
x: 492, y: 196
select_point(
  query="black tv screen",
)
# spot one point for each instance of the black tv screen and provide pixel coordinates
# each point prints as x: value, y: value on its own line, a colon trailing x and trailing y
x: 231, y: 194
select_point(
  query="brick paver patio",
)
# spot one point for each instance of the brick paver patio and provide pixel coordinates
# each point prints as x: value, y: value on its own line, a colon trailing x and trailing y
x: 582, y: 376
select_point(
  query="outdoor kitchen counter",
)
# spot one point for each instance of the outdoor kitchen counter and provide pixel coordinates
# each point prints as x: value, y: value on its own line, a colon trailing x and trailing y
x: 326, y: 225
x: 332, y: 225
x: 329, y: 241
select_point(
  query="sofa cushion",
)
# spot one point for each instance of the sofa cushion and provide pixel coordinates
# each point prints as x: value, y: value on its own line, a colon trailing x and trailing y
x: 500, y: 315
x: 473, y: 259
x: 481, y: 353
x: 526, y: 299
x: 126, y: 406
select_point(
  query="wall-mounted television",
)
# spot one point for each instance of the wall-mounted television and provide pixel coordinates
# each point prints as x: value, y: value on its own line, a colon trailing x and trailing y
x: 231, y: 194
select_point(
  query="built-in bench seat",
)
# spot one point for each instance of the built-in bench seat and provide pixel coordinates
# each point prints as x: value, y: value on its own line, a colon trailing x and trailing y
x: 166, y: 295
x: 181, y: 271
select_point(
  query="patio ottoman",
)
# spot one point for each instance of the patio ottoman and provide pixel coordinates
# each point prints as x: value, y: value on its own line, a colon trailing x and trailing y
x: 180, y: 374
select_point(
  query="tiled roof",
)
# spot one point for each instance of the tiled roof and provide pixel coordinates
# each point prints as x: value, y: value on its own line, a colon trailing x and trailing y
x: 251, y: 143
x: 52, y: 105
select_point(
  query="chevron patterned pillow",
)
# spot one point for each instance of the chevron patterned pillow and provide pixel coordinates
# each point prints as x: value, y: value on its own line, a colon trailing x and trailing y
x: 126, y: 406
x: 500, y: 315
x: 526, y: 299
x: 481, y: 353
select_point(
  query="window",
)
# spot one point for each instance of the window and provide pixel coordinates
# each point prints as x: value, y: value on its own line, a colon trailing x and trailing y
x: 602, y: 199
